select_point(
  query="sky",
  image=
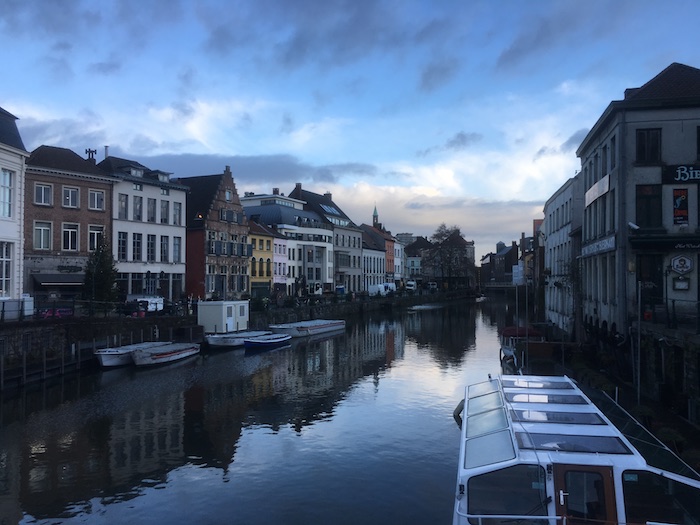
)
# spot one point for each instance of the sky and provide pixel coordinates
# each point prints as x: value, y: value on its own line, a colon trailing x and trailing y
x: 463, y: 112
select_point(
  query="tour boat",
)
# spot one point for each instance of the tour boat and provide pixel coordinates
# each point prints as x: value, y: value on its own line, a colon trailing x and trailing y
x: 267, y: 341
x: 232, y: 339
x: 544, y: 450
x: 121, y: 355
x: 306, y: 328
x: 164, y: 354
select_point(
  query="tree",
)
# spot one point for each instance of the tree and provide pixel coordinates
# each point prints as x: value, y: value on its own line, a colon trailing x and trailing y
x: 449, y: 257
x: 101, y: 275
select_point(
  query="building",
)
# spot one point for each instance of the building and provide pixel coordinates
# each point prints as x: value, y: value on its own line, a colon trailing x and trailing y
x: 415, y: 252
x: 148, y: 230
x: 13, y: 157
x: 347, y: 237
x: 562, y: 280
x: 68, y: 215
x: 218, y: 247
x: 309, y: 240
x: 383, y: 239
x: 373, y: 260
x: 262, y: 265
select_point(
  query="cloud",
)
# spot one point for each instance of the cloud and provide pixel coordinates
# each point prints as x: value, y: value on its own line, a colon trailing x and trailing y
x: 574, y: 141
x: 458, y: 142
x: 437, y: 74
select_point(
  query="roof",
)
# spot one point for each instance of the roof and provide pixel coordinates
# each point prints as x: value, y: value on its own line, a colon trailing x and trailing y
x: 62, y: 159
x: 372, y: 238
x: 416, y: 247
x: 275, y: 214
x: 9, y: 134
x: 201, y: 195
x: 323, y: 205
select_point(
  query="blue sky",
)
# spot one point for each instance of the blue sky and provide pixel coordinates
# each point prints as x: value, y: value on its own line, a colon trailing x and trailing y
x: 462, y: 112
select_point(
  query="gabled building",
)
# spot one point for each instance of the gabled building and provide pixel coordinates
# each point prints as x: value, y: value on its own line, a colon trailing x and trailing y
x: 309, y: 240
x: 148, y: 230
x: 385, y: 241
x: 347, y: 237
x: 262, y: 241
x: 415, y: 252
x: 373, y: 259
x: 218, y: 246
x: 68, y: 215
x: 13, y: 156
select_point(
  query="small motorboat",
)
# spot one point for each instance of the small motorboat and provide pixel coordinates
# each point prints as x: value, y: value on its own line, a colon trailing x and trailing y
x: 121, y: 355
x: 267, y: 341
x: 164, y: 354
x: 233, y: 339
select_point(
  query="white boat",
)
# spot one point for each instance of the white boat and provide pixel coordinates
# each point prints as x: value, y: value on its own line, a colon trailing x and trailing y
x: 232, y: 339
x: 267, y: 341
x: 121, y: 355
x: 306, y: 328
x: 538, y: 450
x: 164, y: 354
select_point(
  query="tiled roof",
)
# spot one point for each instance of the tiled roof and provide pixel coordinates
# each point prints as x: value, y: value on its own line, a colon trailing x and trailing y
x: 62, y: 159
x: 9, y: 134
x: 676, y: 81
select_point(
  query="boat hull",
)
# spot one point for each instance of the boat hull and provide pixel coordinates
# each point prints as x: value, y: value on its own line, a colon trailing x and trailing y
x: 266, y: 342
x: 307, y: 328
x: 121, y: 355
x: 234, y: 339
x: 164, y: 354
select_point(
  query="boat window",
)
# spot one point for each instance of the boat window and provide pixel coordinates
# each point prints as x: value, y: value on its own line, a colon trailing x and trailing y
x: 486, y: 422
x: 484, y: 403
x: 479, y: 389
x: 525, y: 383
x: 545, y: 398
x: 650, y: 497
x: 585, y: 496
x: 571, y: 443
x: 544, y: 416
x: 488, y: 449
x: 517, y: 491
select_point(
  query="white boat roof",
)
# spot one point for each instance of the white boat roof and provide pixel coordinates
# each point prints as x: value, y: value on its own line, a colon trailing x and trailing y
x: 543, y: 419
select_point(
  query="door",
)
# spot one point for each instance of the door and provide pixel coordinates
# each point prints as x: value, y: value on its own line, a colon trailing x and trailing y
x: 585, y: 494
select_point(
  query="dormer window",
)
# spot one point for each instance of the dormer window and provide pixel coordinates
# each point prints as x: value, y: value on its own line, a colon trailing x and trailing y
x: 163, y: 177
x: 136, y: 172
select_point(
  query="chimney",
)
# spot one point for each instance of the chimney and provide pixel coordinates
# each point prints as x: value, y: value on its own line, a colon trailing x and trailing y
x: 106, y: 151
x: 298, y: 187
x: 328, y: 195
x: 91, y: 155
x: 275, y: 191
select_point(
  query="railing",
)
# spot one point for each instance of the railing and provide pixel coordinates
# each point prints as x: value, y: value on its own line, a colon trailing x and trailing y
x: 521, y: 519
x: 679, y: 314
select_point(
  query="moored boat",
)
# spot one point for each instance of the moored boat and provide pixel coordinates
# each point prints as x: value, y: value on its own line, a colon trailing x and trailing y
x: 164, y: 354
x: 233, y: 339
x: 267, y: 341
x: 540, y: 450
x: 311, y: 327
x: 121, y: 355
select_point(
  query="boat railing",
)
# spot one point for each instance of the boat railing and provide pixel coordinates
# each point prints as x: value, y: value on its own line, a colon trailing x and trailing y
x: 521, y: 519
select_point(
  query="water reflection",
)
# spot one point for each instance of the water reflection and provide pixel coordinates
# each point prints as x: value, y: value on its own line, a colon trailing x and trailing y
x: 83, y: 445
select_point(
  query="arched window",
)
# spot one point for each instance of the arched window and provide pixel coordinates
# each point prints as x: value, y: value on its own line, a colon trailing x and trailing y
x: 269, y: 268
x: 253, y: 268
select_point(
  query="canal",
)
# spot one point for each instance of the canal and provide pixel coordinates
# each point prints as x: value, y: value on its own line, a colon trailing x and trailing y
x: 356, y: 428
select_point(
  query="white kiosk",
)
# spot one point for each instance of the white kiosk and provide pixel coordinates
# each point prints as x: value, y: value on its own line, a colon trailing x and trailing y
x: 220, y: 317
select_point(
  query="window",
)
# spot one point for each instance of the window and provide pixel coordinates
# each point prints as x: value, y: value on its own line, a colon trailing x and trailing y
x: 253, y: 268
x: 6, y: 193
x: 96, y: 200
x: 70, y: 237
x: 164, y: 245
x: 6, y: 269
x: 164, y: 191
x: 613, y: 153
x: 177, y: 249
x: 151, y: 211
x: 177, y: 213
x: 164, y: 211
x: 649, y: 205
x: 138, y: 186
x: 123, y: 205
x: 138, y: 208
x: 151, y: 248
x: 648, y: 146
x: 43, y: 194
x: 95, y: 236
x: 70, y: 197
x: 42, y: 235
x: 229, y: 195
x: 137, y: 246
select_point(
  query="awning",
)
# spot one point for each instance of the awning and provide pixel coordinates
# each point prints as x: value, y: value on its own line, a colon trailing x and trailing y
x: 59, y: 279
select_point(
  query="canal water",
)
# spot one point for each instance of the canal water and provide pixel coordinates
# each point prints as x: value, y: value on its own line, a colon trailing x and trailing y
x: 352, y: 429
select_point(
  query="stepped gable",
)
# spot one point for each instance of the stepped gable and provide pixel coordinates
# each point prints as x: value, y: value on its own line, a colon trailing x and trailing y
x: 674, y: 82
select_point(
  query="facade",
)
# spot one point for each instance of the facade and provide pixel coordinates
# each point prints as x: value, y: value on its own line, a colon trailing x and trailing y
x: 13, y: 157
x: 309, y: 240
x: 415, y: 252
x: 218, y: 248
x: 385, y: 241
x: 148, y: 230
x: 347, y: 237
x: 262, y: 241
x: 640, y: 178
x: 68, y: 215
x: 373, y: 260
x: 562, y: 213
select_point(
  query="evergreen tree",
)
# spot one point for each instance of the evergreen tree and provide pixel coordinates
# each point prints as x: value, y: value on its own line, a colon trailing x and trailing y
x: 101, y: 275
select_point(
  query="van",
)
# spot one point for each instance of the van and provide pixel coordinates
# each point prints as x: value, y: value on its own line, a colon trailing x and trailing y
x: 432, y: 286
x: 410, y: 286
